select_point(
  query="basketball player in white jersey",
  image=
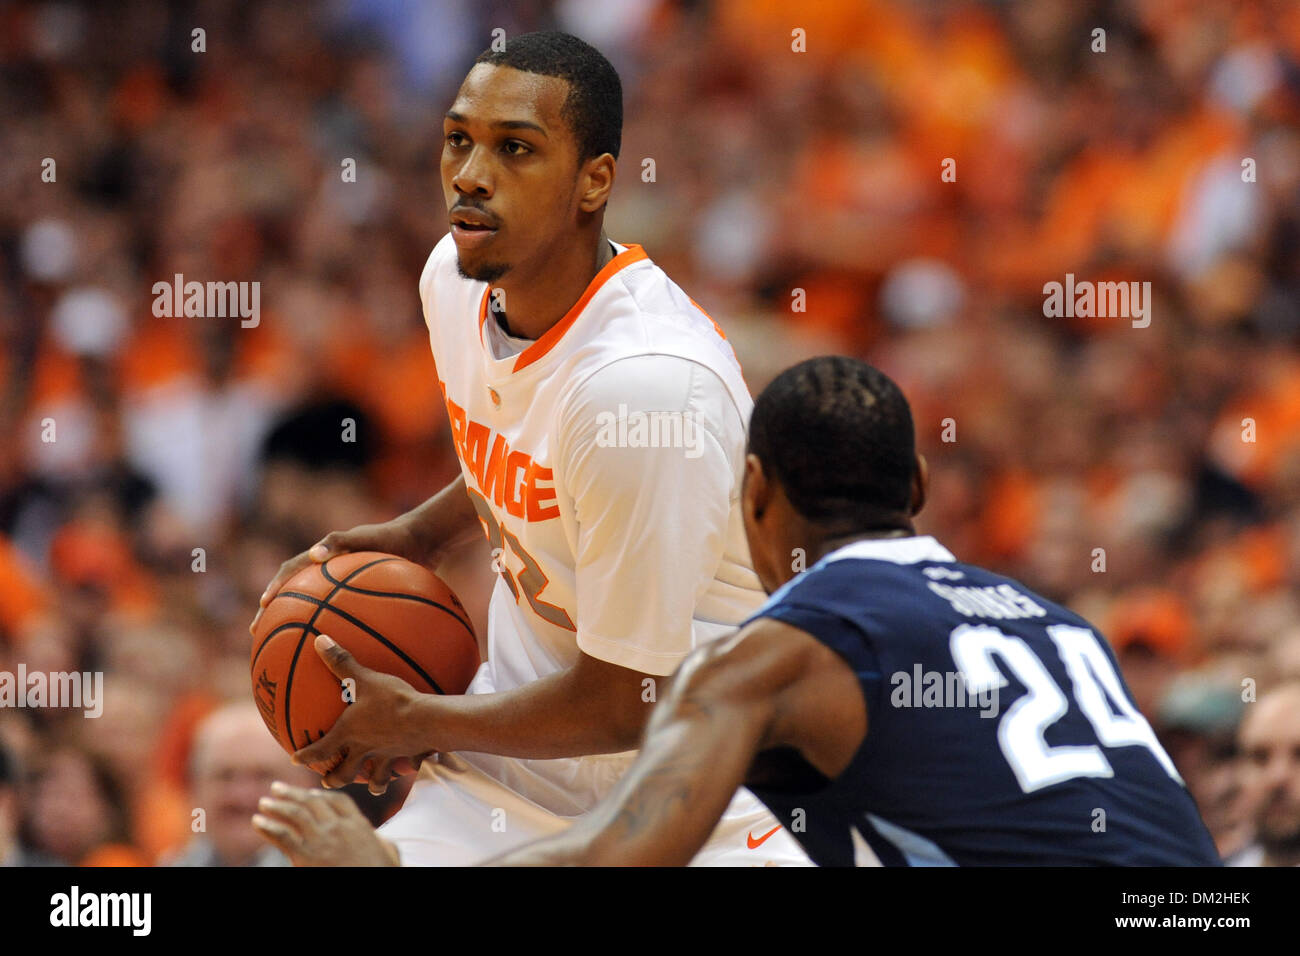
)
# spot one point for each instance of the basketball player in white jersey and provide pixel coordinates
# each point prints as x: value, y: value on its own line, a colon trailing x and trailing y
x: 599, y: 417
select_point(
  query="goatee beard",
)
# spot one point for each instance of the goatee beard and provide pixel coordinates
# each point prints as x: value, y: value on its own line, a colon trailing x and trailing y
x: 489, y: 272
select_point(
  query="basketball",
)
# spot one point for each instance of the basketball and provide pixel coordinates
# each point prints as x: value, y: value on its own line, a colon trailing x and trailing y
x: 392, y: 615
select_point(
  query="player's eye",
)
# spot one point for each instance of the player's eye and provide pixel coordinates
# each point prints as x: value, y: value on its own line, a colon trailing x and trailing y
x: 455, y: 138
x: 514, y: 147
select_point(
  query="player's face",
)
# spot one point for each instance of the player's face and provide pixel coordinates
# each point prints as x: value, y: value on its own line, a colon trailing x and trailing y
x: 1270, y: 746
x: 509, y: 170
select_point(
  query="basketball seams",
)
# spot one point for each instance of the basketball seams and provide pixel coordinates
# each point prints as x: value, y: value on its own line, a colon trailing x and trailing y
x: 406, y: 659
x: 394, y: 594
x: 324, y: 604
x: 288, y: 681
x: 278, y: 628
x: 310, y: 627
x: 313, y: 625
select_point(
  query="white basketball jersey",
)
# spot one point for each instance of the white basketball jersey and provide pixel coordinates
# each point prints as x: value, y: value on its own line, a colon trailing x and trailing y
x: 605, y: 461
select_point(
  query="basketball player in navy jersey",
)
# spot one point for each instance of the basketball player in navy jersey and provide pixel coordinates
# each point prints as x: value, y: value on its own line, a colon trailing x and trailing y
x: 890, y: 702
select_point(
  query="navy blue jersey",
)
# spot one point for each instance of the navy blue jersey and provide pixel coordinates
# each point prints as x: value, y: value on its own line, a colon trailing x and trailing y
x: 999, y: 729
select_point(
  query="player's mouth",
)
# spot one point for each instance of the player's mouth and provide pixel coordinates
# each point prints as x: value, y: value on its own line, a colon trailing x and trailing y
x: 471, y: 228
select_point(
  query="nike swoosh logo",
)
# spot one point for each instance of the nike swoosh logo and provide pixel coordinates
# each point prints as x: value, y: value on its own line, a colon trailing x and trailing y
x: 755, y: 844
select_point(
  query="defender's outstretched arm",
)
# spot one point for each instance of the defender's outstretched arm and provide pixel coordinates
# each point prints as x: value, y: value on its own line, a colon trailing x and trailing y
x: 770, y: 685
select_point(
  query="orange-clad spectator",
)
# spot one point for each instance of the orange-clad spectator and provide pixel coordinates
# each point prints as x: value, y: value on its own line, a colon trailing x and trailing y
x: 22, y: 595
x: 158, y: 353
x: 1150, y: 630
x: 832, y: 28
x: 1261, y: 426
x: 93, y: 552
x: 1158, y: 619
x: 1011, y: 513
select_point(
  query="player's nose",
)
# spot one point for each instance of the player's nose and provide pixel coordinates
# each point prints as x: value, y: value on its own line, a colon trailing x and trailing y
x: 473, y: 177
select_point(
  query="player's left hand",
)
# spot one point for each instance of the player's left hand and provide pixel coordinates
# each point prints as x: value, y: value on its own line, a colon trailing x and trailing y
x: 316, y: 828
x: 376, y: 737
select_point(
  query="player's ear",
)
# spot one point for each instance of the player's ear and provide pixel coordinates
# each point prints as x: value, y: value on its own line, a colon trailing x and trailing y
x: 920, y: 483
x: 595, y: 180
x: 755, y: 490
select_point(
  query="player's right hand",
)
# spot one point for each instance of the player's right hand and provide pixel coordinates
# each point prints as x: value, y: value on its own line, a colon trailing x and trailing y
x: 390, y: 537
x: 382, y: 734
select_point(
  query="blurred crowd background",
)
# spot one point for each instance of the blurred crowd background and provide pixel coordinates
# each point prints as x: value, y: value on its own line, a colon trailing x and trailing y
x: 1147, y: 477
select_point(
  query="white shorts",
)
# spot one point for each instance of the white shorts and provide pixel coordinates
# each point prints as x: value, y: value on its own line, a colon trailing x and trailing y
x: 458, y: 815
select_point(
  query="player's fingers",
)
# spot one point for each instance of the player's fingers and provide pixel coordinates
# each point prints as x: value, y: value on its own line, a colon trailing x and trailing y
x: 345, y: 772
x: 336, y: 542
x: 338, y: 660
x: 323, y: 755
x: 342, y: 543
x: 380, y: 776
x: 409, y: 765
x: 287, y: 570
x: 403, y: 766
x: 280, y: 834
x: 363, y: 772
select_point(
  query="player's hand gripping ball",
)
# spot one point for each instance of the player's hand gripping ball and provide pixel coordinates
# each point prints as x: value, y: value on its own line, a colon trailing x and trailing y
x: 390, y: 614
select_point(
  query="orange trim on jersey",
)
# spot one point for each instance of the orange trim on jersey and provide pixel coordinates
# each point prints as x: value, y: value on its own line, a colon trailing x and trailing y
x: 482, y: 315
x: 551, y: 338
x: 717, y: 328
x: 633, y: 253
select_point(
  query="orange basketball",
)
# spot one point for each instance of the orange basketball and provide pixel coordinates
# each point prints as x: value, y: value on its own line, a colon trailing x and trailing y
x: 392, y: 615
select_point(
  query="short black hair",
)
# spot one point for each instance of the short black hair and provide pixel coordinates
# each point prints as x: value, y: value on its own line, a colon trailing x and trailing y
x: 837, y: 435
x: 594, y: 106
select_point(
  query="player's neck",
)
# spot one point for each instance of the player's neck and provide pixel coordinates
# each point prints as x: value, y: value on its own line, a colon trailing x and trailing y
x: 833, y: 543
x: 810, y: 543
x: 534, y: 302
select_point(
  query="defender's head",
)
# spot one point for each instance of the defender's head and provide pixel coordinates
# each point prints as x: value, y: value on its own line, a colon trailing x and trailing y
x: 529, y: 152
x: 832, y: 454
